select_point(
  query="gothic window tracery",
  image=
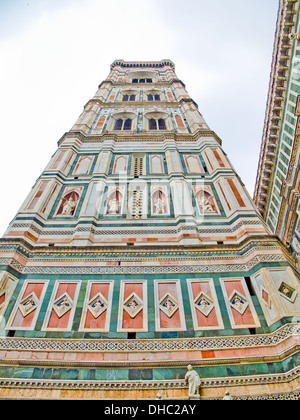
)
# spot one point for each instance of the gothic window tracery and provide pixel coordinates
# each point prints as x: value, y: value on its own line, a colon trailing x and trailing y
x: 155, y: 124
x: 123, y: 124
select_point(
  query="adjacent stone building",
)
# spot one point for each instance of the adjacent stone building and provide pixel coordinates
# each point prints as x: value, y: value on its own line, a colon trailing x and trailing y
x: 278, y: 177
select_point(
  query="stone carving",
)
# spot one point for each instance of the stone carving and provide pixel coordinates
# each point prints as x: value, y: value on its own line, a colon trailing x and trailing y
x: 204, y: 205
x: 97, y: 305
x: 62, y: 305
x: 194, y: 382
x: 159, y: 206
x: 68, y: 207
x: 113, y: 206
x: 204, y: 304
x: 238, y: 302
x: 68, y: 204
x: 28, y: 304
x: 169, y: 305
x: 287, y: 292
x: 133, y: 305
x: 227, y: 396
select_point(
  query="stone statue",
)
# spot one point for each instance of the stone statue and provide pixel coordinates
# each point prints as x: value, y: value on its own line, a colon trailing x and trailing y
x: 114, y: 206
x: 227, y: 396
x: 205, y: 205
x: 193, y: 379
x: 69, y: 207
x: 159, y: 206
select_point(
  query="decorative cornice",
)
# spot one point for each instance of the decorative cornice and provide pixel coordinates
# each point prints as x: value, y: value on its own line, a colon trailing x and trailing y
x: 142, y: 64
x: 154, y: 385
x: 130, y: 137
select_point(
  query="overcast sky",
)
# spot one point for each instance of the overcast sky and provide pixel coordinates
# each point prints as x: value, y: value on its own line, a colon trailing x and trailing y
x: 54, y: 54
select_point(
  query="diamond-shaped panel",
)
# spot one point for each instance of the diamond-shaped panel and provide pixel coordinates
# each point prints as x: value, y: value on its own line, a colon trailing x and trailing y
x: 28, y: 304
x: 169, y: 305
x: 62, y: 305
x: 97, y: 305
x: 204, y: 304
x: 238, y: 302
x: 133, y: 305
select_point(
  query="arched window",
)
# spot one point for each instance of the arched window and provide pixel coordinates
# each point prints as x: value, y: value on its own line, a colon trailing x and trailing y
x: 153, y: 97
x: 152, y: 124
x: 127, y: 124
x: 157, y: 124
x: 161, y: 124
x: 123, y: 124
x: 119, y: 124
x: 129, y: 98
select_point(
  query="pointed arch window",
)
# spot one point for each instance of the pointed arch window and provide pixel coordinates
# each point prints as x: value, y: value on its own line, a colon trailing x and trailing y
x: 153, y: 97
x: 129, y: 98
x: 152, y: 124
x: 127, y: 124
x: 122, y: 124
x: 157, y: 124
x: 161, y: 124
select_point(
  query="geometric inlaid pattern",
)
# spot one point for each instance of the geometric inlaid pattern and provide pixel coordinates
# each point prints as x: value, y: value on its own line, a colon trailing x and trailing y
x: 288, y: 292
x: 199, y: 343
x: 133, y: 305
x: 238, y: 302
x: 169, y: 305
x: 28, y: 304
x: 62, y: 305
x: 97, y: 305
x: 204, y: 303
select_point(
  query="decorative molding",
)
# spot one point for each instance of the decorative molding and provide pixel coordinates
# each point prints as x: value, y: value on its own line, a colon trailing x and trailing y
x: 211, y: 343
x: 257, y: 380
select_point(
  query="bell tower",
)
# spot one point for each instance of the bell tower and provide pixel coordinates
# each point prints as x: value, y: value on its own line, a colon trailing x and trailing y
x: 139, y: 249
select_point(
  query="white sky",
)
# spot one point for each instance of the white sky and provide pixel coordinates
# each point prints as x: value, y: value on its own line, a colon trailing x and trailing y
x: 55, y: 53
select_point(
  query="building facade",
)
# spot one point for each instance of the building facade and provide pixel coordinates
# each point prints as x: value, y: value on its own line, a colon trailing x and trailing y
x: 139, y: 251
x: 277, y: 185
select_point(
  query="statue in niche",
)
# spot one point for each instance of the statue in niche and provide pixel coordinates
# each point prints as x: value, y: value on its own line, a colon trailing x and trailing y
x: 205, y: 203
x: 159, y: 203
x: 114, y: 204
x: 68, y: 207
x: 69, y: 204
x: 193, y: 379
